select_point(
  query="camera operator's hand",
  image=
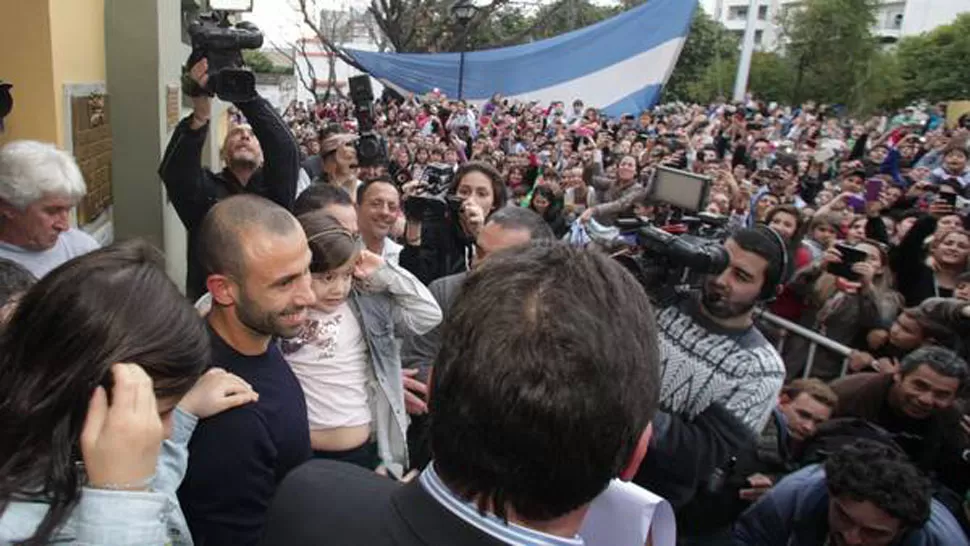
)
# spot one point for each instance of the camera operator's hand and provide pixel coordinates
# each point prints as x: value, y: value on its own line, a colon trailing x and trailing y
x: 760, y: 484
x: 472, y: 218
x: 201, y: 105
x: 414, y: 187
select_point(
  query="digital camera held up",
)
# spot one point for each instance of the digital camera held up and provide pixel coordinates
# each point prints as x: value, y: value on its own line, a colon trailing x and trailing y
x: 371, y: 148
x: 215, y: 39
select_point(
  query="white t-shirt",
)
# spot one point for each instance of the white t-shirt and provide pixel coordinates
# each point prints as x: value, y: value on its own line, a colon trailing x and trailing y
x: 330, y: 359
x: 70, y: 244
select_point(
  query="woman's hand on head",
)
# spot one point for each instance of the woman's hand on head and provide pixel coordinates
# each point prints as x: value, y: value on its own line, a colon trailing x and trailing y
x: 120, y: 440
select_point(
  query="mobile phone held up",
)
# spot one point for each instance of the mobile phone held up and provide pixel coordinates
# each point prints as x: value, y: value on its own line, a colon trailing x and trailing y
x: 873, y: 189
x: 850, y: 257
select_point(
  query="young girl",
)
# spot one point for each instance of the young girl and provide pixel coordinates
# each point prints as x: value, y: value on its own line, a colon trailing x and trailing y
x: 346, y: 358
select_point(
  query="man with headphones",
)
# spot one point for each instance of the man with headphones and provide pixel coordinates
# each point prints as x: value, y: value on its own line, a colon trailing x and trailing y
x: 720, y: 378
x: 262, y: 158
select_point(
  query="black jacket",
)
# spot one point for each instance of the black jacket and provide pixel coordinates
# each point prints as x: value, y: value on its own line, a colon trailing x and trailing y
x: 193, y: 189
x: 684, y: 454
x: 445, y: 250
x: 329, y: 503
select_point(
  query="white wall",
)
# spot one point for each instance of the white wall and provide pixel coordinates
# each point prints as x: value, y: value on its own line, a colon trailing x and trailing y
x: 925, y: 15
x: 319, y: 60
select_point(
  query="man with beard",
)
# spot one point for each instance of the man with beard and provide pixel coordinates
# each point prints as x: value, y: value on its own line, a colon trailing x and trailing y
x: 256, y: 260
x: 261, y: 159
x: 720, y: 378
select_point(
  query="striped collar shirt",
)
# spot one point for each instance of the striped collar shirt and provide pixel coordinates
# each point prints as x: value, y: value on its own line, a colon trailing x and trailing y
x: 509, y: 533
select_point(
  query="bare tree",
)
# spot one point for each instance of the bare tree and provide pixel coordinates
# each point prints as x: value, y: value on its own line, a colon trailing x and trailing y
x: 294, y: 52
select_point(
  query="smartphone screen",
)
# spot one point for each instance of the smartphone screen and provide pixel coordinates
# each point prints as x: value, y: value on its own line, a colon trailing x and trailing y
x: 873, y: 189
x: 856, y: 203
x: 850, y: 257
x: 948, y: 198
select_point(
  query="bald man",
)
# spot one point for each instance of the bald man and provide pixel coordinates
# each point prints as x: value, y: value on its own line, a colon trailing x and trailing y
x: 256, y: 263
x: 262, y: 159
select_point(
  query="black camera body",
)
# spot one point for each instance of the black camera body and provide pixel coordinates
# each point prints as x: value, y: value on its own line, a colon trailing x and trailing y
x: 371, y: 148
x: 215, y: 39
x: 676, y: 260
x: 435, y: 204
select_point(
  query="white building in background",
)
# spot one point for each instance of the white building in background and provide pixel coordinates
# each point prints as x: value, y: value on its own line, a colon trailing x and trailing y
x: 894, y: 20
x: 348, y: 28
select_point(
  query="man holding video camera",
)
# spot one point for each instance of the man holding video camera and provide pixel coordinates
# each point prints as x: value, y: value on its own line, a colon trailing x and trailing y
x: 720, y: 377
x: 261, y: 158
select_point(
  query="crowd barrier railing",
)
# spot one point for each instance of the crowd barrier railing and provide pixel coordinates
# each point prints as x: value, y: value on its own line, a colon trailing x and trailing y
x: 815, y: 339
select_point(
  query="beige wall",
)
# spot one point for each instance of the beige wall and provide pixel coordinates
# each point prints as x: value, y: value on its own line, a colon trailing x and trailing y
x: 46, y: 44
x: 77, y: 49
x: 26, y: 62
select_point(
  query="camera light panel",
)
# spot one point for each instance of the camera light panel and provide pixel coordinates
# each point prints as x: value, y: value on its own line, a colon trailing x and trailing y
x: 231, y: 5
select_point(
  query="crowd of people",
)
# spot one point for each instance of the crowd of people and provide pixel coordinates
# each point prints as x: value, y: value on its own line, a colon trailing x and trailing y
x: 447, y: 344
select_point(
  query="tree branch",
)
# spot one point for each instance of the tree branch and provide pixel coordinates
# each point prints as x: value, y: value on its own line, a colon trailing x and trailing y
x: 325, y: 41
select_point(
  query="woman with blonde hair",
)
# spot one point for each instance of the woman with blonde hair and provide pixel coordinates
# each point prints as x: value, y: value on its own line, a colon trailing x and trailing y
x: 844, y: 310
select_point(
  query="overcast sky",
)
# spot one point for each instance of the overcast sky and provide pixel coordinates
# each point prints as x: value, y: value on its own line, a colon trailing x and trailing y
x: 281, y: 21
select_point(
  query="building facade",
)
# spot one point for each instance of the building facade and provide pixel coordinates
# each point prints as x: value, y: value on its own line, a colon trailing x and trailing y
x: 894, y: 19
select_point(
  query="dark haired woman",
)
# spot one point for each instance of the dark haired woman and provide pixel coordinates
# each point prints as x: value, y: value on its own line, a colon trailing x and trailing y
x: 346, y: 358
x: 548, y: 203
x: 440, y: 242
x: 80, y: 432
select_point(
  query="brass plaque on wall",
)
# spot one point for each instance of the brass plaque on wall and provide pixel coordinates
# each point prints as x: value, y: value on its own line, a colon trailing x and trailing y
x: 91, y: 127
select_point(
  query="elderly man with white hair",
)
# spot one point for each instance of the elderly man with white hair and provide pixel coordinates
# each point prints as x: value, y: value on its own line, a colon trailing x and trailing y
x: 39, y: 185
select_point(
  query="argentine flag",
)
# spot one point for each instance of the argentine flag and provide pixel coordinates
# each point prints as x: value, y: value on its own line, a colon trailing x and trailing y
x: 618, y: 65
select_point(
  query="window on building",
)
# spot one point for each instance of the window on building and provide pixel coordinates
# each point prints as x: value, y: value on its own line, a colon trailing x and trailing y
x: 762, y: 12
x: 897, y: 21
x: 738, y: 12
x: 758, y: 34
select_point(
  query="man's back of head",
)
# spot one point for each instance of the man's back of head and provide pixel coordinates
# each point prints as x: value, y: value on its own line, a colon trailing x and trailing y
x: 546, y: 381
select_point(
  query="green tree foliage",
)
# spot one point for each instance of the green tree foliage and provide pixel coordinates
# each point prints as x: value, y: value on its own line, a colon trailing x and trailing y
x: 933, y: 65
x: 709, y: 45
x: 261, y: 63
x: 832, y: 49
x: 770, y: 79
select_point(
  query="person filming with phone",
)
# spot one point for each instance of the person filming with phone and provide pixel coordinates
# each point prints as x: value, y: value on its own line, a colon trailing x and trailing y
x: 443, y: 223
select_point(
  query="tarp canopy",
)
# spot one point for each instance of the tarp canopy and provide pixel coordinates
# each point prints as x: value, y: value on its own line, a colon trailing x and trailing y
x: 618, y: 65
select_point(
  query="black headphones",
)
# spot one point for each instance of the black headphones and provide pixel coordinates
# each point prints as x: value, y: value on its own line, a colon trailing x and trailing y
x: 775, y: 278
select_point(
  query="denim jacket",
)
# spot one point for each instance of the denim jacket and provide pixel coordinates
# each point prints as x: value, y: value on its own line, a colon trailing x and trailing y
x: 392, y: 300
x: 118, y: 518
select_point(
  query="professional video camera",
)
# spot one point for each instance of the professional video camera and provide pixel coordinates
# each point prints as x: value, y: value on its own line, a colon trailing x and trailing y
x: 689, y: 245
x: 216, y: 39
x: 371, y: 148
x: 435, y: 202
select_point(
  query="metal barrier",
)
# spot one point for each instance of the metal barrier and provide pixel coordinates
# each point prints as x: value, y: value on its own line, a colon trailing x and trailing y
x: 813, y: 337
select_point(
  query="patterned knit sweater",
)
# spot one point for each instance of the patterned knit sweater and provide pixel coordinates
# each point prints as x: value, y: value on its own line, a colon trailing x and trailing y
x: 703, y: 363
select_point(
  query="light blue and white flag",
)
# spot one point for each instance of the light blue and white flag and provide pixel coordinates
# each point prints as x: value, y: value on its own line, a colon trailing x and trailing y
x: 618, y: 65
